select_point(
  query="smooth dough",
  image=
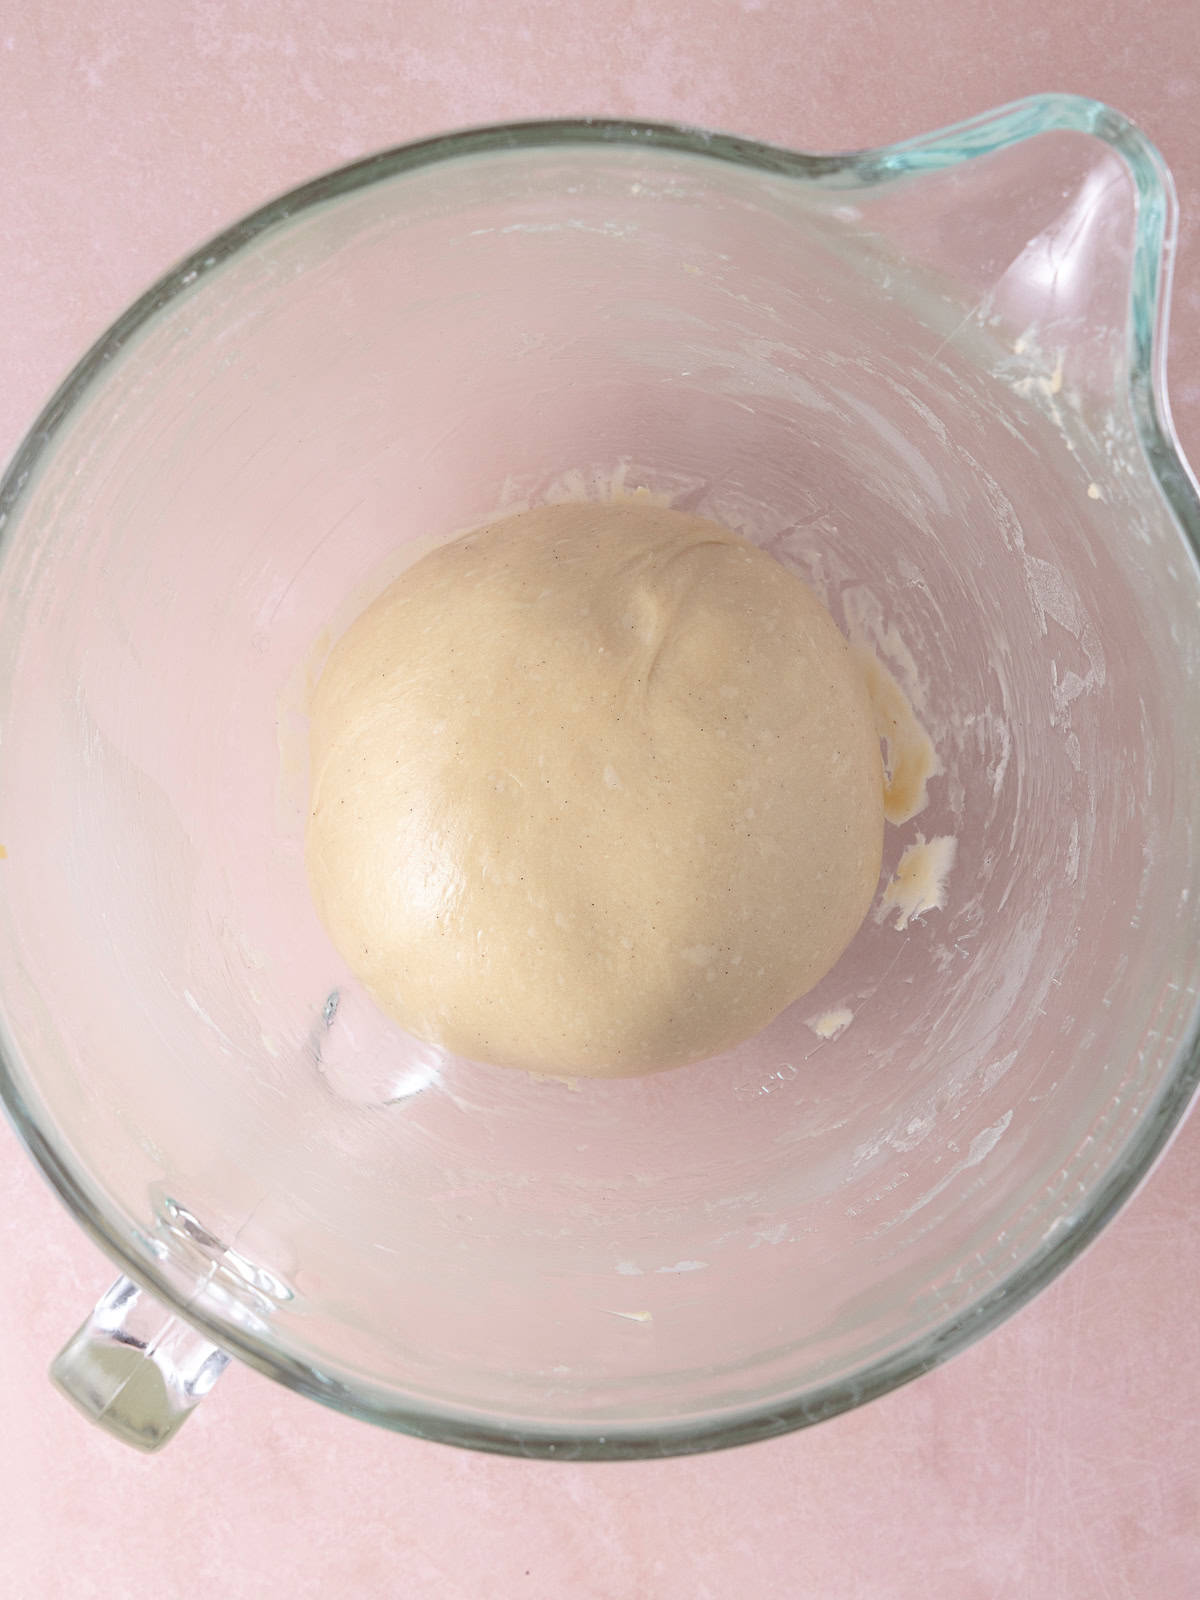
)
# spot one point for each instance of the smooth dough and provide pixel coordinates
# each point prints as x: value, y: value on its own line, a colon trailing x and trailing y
x: 596, y: 791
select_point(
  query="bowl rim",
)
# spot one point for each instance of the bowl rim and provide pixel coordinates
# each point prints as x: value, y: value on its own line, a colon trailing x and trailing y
x: 954, y: 145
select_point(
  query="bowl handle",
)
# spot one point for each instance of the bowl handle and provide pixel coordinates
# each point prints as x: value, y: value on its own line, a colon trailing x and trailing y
x: 136, y: 1369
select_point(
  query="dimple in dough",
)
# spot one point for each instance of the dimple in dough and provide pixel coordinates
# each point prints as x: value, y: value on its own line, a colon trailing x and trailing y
x: 596, y: 791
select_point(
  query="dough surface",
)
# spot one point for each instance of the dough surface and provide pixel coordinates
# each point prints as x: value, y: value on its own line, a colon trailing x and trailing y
x: 596, y: 790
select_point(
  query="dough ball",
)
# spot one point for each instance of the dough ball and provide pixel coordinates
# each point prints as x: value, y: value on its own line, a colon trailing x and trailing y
x: 596, y: 791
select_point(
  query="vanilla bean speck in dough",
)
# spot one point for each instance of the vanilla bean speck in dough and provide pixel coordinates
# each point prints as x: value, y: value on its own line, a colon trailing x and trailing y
x: 596, y: 790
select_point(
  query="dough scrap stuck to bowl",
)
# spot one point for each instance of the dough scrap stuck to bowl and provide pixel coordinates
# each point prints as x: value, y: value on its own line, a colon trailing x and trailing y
x: 596, y: 790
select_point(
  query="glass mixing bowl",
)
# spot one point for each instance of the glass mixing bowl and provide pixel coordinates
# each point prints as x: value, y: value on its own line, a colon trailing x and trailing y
x: 930, y: 379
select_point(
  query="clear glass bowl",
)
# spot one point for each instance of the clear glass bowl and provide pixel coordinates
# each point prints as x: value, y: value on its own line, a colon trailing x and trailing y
x: 928, y: 377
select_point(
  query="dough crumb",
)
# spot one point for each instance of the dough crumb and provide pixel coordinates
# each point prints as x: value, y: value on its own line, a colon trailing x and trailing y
x: 830, y: 1023
x: 910, y: 759
x: 919, y: 881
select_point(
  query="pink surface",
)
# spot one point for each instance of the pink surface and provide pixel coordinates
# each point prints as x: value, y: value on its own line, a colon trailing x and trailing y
x: 1061, y: 1457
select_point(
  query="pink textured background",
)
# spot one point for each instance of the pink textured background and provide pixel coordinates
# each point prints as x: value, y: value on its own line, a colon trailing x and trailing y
x: 1060, y: 1458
